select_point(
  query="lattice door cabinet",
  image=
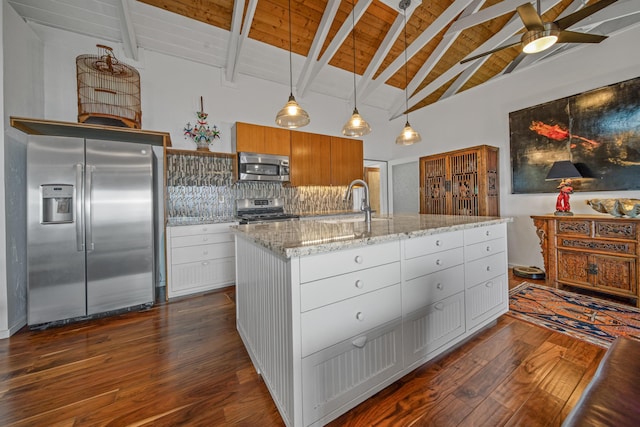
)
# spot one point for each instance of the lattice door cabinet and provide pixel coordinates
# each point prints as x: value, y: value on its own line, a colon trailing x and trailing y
x: 597, y: 253
x: 461, y: 182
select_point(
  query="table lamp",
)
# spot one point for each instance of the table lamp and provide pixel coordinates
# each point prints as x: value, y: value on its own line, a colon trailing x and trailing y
x: 564, y: 171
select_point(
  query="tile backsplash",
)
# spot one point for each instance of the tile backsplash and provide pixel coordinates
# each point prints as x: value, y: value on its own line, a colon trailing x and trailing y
x: 202, y: 187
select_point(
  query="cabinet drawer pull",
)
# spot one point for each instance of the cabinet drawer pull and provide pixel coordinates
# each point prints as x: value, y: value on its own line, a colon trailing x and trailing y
x: 360, y: 341
x: 438, y: 262
x: 439, y: 306
x: 488, y: 268
x: 205, y: 262
x: 205, y: 238
x: 359, y: 284
x: 487, y: 233
x: 489, y: 284
x: 358, y: 259
x: 205, y: 252
x: 488, y: 248
x: 438, y: 242
x: 360, y: 316
x: 439, y: 286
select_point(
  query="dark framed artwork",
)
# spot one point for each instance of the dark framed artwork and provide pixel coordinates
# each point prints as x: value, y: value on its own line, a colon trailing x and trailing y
x: 598, y: 130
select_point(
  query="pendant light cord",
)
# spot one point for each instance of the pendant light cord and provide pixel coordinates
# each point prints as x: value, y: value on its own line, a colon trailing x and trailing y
x: 290, y: 66
x: 406, y: 66
x: 353, y: 37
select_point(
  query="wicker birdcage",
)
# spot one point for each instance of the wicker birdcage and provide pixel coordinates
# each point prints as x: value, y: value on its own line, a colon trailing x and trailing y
x: 108, y: 90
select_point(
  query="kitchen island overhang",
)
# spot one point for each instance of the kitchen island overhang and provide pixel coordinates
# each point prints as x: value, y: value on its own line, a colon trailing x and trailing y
x: 333, y: 311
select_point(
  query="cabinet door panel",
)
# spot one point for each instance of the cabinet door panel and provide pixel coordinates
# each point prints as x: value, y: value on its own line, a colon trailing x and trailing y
x: 310, y: 159
x: 427, y: 330
x: 200, y: 276
x: 483, y: 249
x: 202, y: 252
x: 484, y: 269
x: 616, y: 274
x: 347, y: 161
x: 425, y: 290
x: 573, y: 267
x: 249, y: 138
x: 431, y: 244
x: 277, y: 141
x: 485, y: 300
x: 428, y: 264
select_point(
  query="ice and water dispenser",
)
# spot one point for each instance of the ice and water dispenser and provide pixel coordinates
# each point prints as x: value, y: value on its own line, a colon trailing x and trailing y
x: 57, y: 203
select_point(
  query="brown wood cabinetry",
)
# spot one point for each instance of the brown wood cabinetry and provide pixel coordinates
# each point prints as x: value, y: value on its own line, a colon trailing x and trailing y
x: 310, y: 159
x: 347, y: 162
x: 461, y: 182
x: 591, y: 252
x: 262, y: 139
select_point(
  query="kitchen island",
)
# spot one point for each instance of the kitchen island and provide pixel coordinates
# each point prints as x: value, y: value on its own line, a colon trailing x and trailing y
x: 332, y: 311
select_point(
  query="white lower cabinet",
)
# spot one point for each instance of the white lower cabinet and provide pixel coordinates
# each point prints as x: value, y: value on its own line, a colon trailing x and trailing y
x: 340, y: 374
x: 199, y: 258
x: 361, y: 318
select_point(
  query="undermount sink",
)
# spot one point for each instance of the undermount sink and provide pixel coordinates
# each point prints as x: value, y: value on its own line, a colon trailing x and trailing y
x: 347, y: 220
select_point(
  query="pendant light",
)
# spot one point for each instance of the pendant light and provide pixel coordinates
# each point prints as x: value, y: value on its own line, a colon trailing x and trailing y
x: 408, y: 136
x: 291, y: 115
x: 356, y: 126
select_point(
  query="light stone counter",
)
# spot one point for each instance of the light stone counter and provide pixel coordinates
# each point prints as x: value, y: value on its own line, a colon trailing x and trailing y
x: 300, y: 238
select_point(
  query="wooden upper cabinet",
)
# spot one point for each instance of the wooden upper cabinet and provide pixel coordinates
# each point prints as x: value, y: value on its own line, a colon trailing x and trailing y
x: 262, y: 139
x: 347, y: 162
x: 310, y: 159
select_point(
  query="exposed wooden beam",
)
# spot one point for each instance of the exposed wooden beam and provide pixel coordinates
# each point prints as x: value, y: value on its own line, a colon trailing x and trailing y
x: 436, y: 26
x: 238, y: 35
x: 341, y: 35
x: 129, y: 40
x: 318, y: 41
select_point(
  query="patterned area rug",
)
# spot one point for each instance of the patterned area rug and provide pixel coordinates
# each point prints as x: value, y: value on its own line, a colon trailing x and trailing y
x: 583, y: 317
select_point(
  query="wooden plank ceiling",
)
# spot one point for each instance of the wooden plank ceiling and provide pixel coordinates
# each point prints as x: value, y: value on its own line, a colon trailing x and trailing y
x: 436, y: 46
x: 439, y: 34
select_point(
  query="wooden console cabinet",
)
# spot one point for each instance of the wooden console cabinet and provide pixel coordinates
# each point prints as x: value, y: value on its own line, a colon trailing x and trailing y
x: 597, y: 253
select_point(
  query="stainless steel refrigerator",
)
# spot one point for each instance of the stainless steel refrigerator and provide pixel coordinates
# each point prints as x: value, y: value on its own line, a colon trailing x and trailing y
x: 90, y: 239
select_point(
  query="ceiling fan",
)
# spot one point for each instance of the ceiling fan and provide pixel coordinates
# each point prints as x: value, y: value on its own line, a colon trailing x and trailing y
x: 542, y: 35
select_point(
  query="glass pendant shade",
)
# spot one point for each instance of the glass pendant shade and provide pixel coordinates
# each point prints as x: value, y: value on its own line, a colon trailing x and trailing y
x: 292, y: 115
x: 408, y: 136
x: 356, y: 126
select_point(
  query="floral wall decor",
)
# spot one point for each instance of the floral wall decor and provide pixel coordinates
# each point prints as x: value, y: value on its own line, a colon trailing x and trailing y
x: 201, y: 133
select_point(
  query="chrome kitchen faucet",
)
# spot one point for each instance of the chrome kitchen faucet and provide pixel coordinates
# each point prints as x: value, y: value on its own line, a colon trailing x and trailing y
x: 364, y: 206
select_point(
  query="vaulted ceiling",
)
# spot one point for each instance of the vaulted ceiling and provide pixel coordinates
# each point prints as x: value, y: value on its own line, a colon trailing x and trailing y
x: 252, y: 37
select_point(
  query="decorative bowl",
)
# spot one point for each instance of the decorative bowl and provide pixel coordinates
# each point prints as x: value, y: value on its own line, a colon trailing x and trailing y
x: 616, y: 207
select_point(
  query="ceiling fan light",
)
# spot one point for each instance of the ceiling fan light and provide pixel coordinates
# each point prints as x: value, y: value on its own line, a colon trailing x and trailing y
x: 356, y: 126
x: 292, y: 115
x: 535, y: 41
x: 408, y: 136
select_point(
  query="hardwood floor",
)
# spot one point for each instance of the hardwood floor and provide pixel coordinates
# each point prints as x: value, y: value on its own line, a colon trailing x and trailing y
x: 183, y: 363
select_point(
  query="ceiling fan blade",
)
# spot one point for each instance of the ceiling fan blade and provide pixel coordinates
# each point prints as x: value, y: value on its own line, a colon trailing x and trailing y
x: 573, y: 37
x: 579, y: 15
x: 489, y: 52
x: 530, y: 18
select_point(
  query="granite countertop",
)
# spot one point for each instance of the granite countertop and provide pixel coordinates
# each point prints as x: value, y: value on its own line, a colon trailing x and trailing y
x: 299, y: 238
x: 189, y: 220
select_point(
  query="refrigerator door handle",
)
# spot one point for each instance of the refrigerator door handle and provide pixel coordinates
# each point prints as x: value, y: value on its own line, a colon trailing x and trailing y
x: 87, y: 206
x: 79, y: 213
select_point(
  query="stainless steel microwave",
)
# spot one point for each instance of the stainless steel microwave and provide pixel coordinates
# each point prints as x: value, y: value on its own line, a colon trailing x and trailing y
x: 263, y: 167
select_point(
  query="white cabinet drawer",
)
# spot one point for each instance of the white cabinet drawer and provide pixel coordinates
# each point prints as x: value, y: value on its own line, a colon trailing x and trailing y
x: 428, y: 264
x: 191, y: 230
x: 484, y: 269
x: 429, y: 244
x: 199, y: 276
x: 425, y: 290
x: 428, y: 329
x: 202, y: 252
x: 488, y: 232
x: 335, y: 376
x: 329, y: 264
x: 486, y: 300
x: 483, y: 249
x: 201, y: 239
x: 326, y: 291
x: 328, y: 325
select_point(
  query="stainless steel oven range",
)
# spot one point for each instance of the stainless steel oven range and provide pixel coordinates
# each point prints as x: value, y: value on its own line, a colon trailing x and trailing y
x: 253, y: 211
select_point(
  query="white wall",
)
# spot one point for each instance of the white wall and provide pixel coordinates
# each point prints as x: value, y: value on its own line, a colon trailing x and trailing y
x: 481, y: 116
x: 22, y: 95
